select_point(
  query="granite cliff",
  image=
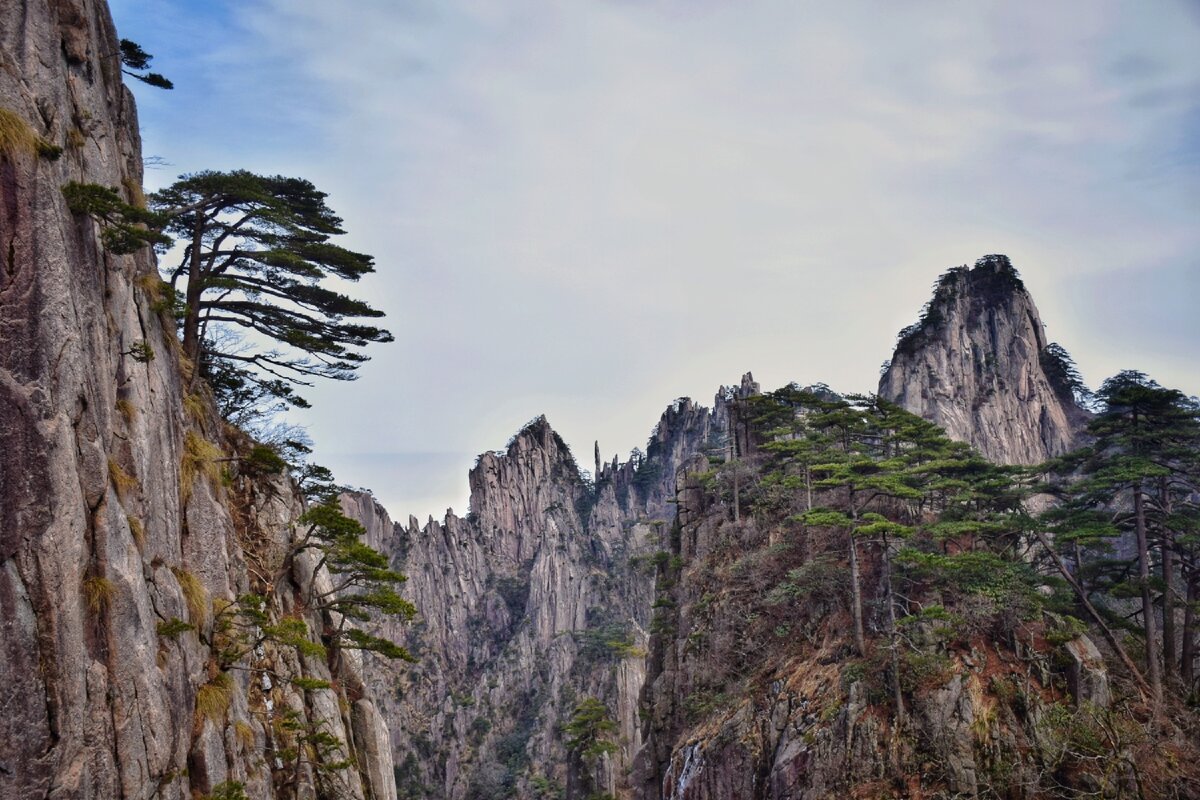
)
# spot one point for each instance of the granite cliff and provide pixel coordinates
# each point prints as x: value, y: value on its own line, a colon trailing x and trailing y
x: 540, y: 597
x: 680, y: 591
x: 976, y: 364
x: 130, y: 518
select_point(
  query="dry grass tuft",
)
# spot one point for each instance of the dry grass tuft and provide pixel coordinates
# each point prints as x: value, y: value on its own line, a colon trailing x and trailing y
x: 16, y: 136
x: 187, y: 367
x: 127, y: 410
x: 194, y: 594
x: 99, y: 592
x: 195, y: 407
x: 214, y: 697
x: 133, y: 190
x: 75, y: 139
x: 245, y: 734
x: 200, y: 457
x: 138, y: 531
x: 152, y: 285
x: 122, y: 481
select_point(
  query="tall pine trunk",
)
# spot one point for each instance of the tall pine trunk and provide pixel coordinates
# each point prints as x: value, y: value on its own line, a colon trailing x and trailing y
x: 1081, y: 593
x: 1168, y: 631
x: 195, y: 288
x: 1168, y: 576
x: 1150, y: 629
x: 1187, y: 667
x: 893, y: 633
x: 860, y: 637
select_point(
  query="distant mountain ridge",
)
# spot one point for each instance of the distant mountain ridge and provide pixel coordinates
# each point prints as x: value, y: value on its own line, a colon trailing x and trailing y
x: 514, y: 595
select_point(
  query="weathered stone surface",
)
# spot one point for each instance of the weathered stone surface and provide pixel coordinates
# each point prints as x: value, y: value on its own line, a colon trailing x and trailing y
x: 507, y: 598
x: 94, y: 535
x: 502, y: 596
x: 1087, y: 676
x: 375, y: 750
x: 974, y: 366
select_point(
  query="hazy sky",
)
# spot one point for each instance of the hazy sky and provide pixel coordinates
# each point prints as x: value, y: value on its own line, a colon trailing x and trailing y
x: 587, y: 209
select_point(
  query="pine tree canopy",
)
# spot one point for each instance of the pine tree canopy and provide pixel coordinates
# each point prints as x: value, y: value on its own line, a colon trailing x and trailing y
x: 255, y: 258
x: 133, y: 57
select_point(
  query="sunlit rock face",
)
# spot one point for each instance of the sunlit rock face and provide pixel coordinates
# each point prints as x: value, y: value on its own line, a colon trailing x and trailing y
x: 100, y: 534
x: 976, y: 365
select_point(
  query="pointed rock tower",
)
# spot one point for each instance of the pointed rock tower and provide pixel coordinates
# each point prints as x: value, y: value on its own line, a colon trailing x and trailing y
x: 977, y: 364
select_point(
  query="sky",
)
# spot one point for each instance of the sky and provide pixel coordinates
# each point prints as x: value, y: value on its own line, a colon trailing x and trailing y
x: 586, y: 209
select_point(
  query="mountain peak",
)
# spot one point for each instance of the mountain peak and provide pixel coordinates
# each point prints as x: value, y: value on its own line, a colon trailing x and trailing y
x: 538, y: 434
x: 974, y: 363
x: 992, y: 282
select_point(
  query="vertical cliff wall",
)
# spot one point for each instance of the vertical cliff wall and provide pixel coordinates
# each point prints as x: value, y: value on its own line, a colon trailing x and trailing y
x: 975, y: 365
x: 515, y: 603
x: 541, y: 596
x: 126, y: 523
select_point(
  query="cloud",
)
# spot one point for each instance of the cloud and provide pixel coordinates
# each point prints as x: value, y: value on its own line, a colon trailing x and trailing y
x: 587, y: 208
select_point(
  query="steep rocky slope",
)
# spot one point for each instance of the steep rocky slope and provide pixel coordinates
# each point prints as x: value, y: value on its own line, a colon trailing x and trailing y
x: 541, y: 596
x: 969, y: 683
x: 975, y: 364
x: 505, y: 596
x: 131, y: 524
x: 126, y: 518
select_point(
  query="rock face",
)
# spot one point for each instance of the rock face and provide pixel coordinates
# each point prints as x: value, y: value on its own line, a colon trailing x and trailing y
x: 121, y: 541
x: 976, y: 364
x: 529, y: 604
x: 540, y: 597
x: 117, y: 531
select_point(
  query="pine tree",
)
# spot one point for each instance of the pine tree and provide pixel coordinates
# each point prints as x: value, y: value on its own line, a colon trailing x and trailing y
x: 251, y: 287
x: 135, y: 62
x: 256, y: 258
x: 1138, y: 477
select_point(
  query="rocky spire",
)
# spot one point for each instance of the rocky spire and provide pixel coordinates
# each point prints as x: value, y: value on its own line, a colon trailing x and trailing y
x: 976, y: 364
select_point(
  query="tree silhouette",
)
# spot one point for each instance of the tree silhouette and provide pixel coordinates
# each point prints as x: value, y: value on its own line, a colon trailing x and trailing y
x: 256, y: 258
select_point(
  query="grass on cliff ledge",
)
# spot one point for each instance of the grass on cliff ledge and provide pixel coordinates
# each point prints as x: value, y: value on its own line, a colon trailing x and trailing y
x: 17, y: 137
x: 200, y: 457
x: 213, y: 699
x: 194, y: 594
x: 137, y: 530
x: 122, y: 481
x: 99, y: 592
